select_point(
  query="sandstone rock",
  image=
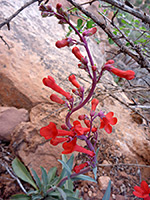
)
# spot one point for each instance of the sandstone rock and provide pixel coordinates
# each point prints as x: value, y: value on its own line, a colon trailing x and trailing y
x: 33, y: 150
x: 103, y: 182
x: 10, y: 117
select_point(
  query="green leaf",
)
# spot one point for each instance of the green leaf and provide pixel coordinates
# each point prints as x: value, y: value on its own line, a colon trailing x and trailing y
x: 44, y: 176
x: 108, y: 191
x: 22, y: 172
x: 32, y: 192
x: 72, y: 198
x: 95, y: 172
x: 44, y: 180
x: 37, y: 197
x: 51, y: 174
x: 110, y: 41
x: 90, y: 24
x: 83, y: 177
x: 62, y: 193
x: 20, y: 197
x: 37, y: 179
x: 66, y: 167
x: 142, y: 28
x: 70, y: 161
x: 69, y: 185
x: 79, y: 23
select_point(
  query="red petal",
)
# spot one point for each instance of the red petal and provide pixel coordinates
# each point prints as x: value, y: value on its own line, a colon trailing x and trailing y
x: 49, y: 131
x: 109, y: 115
x: 108, y: 128
x: 65, y: 133
x: 102, y: 124
x: 83, y: 150
x: 56, y: 141
x: 144, y: 186
x: 113, y: 121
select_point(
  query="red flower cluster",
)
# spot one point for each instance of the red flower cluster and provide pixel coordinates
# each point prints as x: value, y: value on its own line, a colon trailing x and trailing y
x: 143, y: 191
x: 107, y: 121
x: 69, y: 139
x: 50, y: 82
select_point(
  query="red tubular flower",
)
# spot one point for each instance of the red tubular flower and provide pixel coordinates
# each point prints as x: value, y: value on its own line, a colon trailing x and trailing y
x: 72, y: 79
x: 90, y: 32
x: 107, y: 120
x: 78, y: 55
x: 94, y: 104
x: 78, y: 168
x: 129, y: 74
x: 56, y: 99
x: 50, y: 82
x: 56, y: 141
x: 71, y: 146
x: 143, y: 191
x: 62, y: 43
x: 49, y: 131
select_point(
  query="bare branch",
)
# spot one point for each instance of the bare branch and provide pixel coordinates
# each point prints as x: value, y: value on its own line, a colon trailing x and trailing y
x: 5, y: 42
x: 137, y: 13
x: 7, y: 21
x: 138, y: 57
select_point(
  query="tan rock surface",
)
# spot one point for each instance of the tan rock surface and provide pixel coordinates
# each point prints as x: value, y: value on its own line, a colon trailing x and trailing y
x: 10, y: 117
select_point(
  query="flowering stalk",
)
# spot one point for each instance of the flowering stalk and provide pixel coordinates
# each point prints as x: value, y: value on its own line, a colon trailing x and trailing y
x: 71, y: 133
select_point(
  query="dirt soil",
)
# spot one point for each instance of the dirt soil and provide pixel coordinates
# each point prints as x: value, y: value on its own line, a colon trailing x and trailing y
x: 124, y: 176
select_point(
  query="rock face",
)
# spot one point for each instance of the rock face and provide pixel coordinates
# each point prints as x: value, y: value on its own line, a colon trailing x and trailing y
x: 10, y: 117
x: 32, y: 56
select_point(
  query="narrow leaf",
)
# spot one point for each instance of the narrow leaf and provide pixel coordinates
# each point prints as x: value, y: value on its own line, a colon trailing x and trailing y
x: 37, y: 179
x: 51, y: 174
x: 108, y: 191
x: 83, y: 177
x: 70, y: 161
x: 62, y: 193
x: 66, y: 167
x: 20, y: 197
x: 22, y: 172
x: 95, y: 172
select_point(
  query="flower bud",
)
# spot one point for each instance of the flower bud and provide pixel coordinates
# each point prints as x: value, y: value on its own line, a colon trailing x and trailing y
x: 56, y: 99
x: 94, y: 68
x: 78, y: 55
x: 44, y: 13
x: 90, y: 32
x: 72, y: 79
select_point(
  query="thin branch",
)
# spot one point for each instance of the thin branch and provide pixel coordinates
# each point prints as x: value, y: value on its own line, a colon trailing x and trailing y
x: 122, y: 164
x: 137, y: 13
x: 7, y: 21
x: 13, y: 176
x: 139, y: 58
x: 5, y: 42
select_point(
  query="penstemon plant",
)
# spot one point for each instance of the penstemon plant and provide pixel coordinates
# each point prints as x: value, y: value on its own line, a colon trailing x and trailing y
x: 61, y: 187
